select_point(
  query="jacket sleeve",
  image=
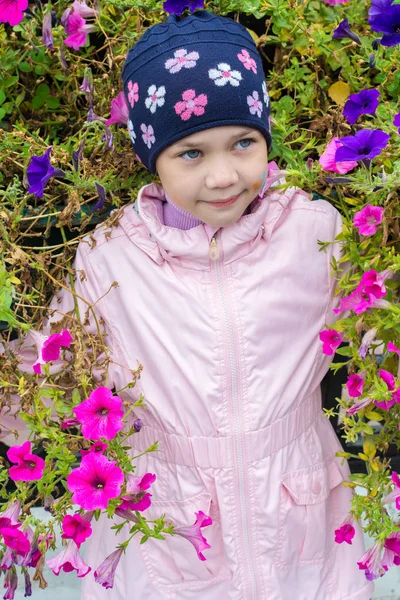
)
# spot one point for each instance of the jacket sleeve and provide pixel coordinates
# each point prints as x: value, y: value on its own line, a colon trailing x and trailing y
x: 26, y: 350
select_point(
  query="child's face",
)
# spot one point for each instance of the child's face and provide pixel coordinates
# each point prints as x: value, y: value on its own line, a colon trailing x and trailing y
x: 213, y: 166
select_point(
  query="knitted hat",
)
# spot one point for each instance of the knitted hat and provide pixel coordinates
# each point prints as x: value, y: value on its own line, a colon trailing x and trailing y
x: 190, y: 74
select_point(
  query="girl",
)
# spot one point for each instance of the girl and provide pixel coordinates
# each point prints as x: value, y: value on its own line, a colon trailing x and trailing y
x: 222, y: 292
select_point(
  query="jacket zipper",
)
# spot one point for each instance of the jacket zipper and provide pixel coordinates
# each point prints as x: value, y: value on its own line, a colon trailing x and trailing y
x: 214, y: 254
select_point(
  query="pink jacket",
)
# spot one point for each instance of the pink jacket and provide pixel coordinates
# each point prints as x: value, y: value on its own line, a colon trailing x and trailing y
x: 232, y: 364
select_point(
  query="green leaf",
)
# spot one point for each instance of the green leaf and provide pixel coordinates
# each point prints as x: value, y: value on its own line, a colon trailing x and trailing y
x: 38, y: 102
x: 52, y: 102
x: 10, y: 81
x: 25, y: 67
x: 2, y: 97
x: 144, y: 539
x: 2, y: 113
x: 345, y: 351
x: 43, y: 90
x: 39, y: 70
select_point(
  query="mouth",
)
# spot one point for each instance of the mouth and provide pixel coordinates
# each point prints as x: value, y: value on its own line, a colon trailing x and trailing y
x: 222, y: 204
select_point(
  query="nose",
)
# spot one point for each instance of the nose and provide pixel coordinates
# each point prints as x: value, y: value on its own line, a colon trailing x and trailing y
x: 221, y: 174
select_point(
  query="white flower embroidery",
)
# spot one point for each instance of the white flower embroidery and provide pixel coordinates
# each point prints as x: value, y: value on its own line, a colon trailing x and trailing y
x: 255, y: 104
x: 155, y: 98
x: 182, y: 60
x: 148, y: 135
x: 266, y: 95
x: 131, y: 131
x: 224, y: 74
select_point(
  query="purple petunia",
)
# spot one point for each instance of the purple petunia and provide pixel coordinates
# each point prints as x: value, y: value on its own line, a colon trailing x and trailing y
x: 343, y: 31
x: 384, y: 17
x: 39, y: 172
x: 365, y: 144
x: 178, y: 6
x: 364, y: 103
x: 396, y: 121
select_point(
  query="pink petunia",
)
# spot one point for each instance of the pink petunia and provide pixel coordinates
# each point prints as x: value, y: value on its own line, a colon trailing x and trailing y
x: 16, y: 539
x: 77, y: 31
x: 29, y: 466
x: 366, y: 341
x: 101, y: 415
x: 191, y: 104
x: 367, y: 219
x: 328, y: 162
x: 69, y: 560
x: 357, y: 406
x: 248, y: 62
x: 331, y: 340
x: 374, y: 283
x: 95, y: 481
x: 49, y: 348
x: 394, y: 496
x: 389, y: 379
x: 392, y: 348
x: 77, y: 528
x: 346, y: 532
x: 119, y: 110
x: 100, y: 447
x: 136, y: 497
x: 334, y: 2
x: 105, y: 573
x: 355, y: 385
x: 11, y: 11
x: 368, y: 293
x: 371, y: 562
x: 193, y: 534
x: 391, y: 555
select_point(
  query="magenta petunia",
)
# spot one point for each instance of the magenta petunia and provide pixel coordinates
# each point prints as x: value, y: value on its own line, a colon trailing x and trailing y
x: 328, y: 162
x: 49, y: 348
x: 99, y: 447
x: 371, y: 562
x: 357, y: 406
x: 77, y: 528
x: 16, y: 539
x: 368, y: 219
x: 391, y: 555
x: 77, y: 31
x: 101, y: 414
x: 355, y: 385
x: 331, y: 339
x: 119, y: 110
x: 69, y: 560
x: 392, y: 348
x: 394, y: 496
x: 390, y: 382
x: 104, y: 574
x: 11, y: 11
x: 29, y: 466
x: 193, y: 533
x: 346, y: 532
x: 335, y: 2
x: 136, y: 497
x: 95, y: 481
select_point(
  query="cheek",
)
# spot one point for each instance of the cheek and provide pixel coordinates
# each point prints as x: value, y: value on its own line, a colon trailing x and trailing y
x: 261, y: 181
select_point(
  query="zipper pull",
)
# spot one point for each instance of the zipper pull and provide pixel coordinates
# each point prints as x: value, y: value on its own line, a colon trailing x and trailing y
x: 213, y: 251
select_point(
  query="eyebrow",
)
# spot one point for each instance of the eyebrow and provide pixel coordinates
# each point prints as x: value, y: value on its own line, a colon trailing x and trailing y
x: 197, y: 144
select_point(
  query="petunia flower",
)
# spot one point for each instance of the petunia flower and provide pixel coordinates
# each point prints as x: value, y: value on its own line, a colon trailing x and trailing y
x: 364, y: 103
x: 373, y: 282
x: 366, y: 342
x: 390, y: 382
x: 101, y: 414
x: 28, y: 584
x: 83, y: 10
x: 47, y: 31
x: 355, y: 385
x: 77, y: 31
x: 29, y: 466
x: 100, y: 447
x: 119, y: 110
x: 371, y: 562
x: 138, y: 423
x: 392, y: 348
x: 368, y: 293
x: 335, y: 2
x: 357, y: 406
x: 95, y: 481
x: 69, y: 560
x: 178, y: 6
x: 68, y: 423
x: 396, y: 121
x: 328, y: 162
x: 49, y: 348
x: 394, y: 496
x: 11, y: 11
x: 39, y: 172
x: 16, y: 539
x: 77, y: 155
x: 367, y: 219
x: 343, y: 31
x: 365, y: 144
x: 10, y: 584
x: 346, y: 532
x: 193, y: 534
x: 104, y: 574
x: 76, y: 528
x: 386, y: 19
x: 331, y: 340
x: 136, y: 497
x: 391, y: 554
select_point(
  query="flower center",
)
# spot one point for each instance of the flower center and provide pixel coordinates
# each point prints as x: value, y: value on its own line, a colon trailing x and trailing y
x: 181, y: 59
x: 153, y: 98
x: 98, y: 484
x: 190, y: 104
x: 103, y: 412
x: 30, y: 464
x: 371, y: 220
x: 226, y: 74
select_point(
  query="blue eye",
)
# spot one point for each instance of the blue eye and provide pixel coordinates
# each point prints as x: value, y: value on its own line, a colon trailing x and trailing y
x: 189, y: 152
x: 188, y: 155
x: 250, y: 140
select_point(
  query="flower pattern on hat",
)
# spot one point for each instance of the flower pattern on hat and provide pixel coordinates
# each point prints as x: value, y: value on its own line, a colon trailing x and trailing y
x: 265, y: 92
x: 148, y: 135
x: 133, y: 94
x: 131, y: 131
x: 182, y: 60
x: 223, y: 74
x: 156, y: 97
x: 255, y: 104
x: 191, y: 104
x: 248, y: 62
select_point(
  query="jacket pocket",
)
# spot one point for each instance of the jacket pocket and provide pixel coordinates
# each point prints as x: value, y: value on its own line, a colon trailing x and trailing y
x: 173, y: 563
x: 311, y: 502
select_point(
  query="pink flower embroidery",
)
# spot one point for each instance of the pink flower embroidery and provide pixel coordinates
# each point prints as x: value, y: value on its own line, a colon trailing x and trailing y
x: 355, y: 385
x: 156, y: 97
x: 148, y: 135
x: 77, y: 30
x: 133, y: 94
x: 12, y: 11
x: 224, y: 74
x: 101, y: 415
x: 368, y: 219
x: 49, y: 348
x: 191, y: 104
x: 346, y: 531
x: 95, y: 482
x: 105, y: 573
x: 327, y: 159
x: 69, y: 560
x: 255, y: 104
x: 331, y: 340
x: 193, y: 533
x: 182, y: 60
x: 77, y: 528
x: 137, y: 498
x: 266, y: 95
x: 248, y: 62
x: 119, y: 110
x: 29, y: 466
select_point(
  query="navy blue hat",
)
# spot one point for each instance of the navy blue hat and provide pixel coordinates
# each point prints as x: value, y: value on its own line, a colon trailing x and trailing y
x: 190, y: 74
